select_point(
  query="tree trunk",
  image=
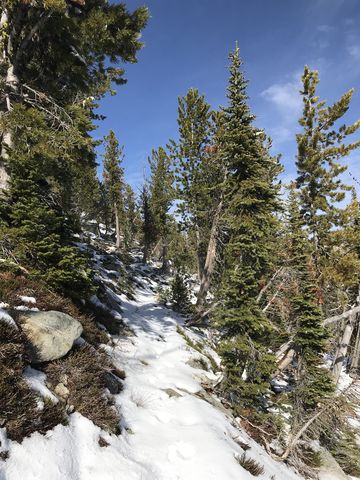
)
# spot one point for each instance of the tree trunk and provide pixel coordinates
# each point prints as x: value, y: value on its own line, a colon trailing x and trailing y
x: 117, y: 227
x: 210, y: 261
x: 145, y: 253
x: 342, y: 349
x: 355, y: 362
x: 164, y: 255
x: 200, y: 259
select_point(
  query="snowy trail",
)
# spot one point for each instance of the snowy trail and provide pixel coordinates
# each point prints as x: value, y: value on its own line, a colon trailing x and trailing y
x: 168, y: 432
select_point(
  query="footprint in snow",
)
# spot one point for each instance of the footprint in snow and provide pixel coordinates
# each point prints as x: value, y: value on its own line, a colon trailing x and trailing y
x: 182, y: 450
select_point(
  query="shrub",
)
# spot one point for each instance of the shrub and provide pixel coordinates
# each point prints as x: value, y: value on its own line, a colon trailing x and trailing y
x: 251, y: 465
x: 179, y: 294
x: 163, y: 295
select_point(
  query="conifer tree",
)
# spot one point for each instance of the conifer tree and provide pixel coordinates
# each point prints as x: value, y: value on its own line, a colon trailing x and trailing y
x: 38, y: 232
x: 148, y: 233
x: 252, y: 200
x: 161, y: 198
x: 313, y: 382
x: 56, y: 53
x: 132, y: 220
x: 192, y: 172
x: 320, y: 148
x: 114, y: 181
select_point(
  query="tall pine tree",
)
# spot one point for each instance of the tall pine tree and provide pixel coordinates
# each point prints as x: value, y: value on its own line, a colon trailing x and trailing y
x: 114, y: 181
x: 252, y: 199
x: 161, y: 198
x: 320, y: 148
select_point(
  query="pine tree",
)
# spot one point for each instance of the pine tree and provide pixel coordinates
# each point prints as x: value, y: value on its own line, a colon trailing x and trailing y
x: 148, y: 233
x: 252, y: 200
x: 39, y: 233
x: 56, y: 53
x: 192, y: 173
x: 179, y: 294
x: 200, y: 174
x: 320, y: 148
x: 114, y: 181
x: 132, y: 219
x: 312, y: 381
x: 161, y: 198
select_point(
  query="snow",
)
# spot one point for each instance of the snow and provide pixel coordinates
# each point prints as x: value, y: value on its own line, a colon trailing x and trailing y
x: 26, y: 299
x: 5, y: 317
x: 168, y: 433
x: 24, y: 308
x: 36, y: 380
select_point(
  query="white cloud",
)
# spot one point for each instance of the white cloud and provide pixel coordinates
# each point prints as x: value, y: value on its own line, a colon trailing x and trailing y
x: 354, y: 51
x: 285, y: 102
x: 285, y: 97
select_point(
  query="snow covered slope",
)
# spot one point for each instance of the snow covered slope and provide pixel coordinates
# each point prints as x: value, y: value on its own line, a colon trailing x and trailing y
x: 169, y: 433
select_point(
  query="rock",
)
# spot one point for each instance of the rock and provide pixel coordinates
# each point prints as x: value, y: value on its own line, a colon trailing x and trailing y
x: 61, y: 391
x: 50, y: 334
x: 171, y: 392
x: 113, y: 383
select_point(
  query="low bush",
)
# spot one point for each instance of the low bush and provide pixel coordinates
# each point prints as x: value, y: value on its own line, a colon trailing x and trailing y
x: 251, y: 465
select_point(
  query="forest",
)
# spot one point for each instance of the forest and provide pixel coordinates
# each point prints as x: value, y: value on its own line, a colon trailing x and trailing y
x: 265, y: 273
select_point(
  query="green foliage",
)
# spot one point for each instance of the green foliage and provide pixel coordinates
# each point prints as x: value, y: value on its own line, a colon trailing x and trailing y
x: 38, y: 231
x: 313, y: 381
x: 346, y: 452
x: 320, y: 148
x: 161, y: 198
x: 179, y: 294
x: 163, y: 295
x: 252, y: 196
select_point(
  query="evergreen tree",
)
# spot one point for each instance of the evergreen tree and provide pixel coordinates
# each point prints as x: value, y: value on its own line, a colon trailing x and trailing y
x: 192, y: 172
x: 179, y: 294
x: 114, y: 181
x: 320, y: 147
x: 61, y: 53
x: 132, y: 220
x: 148, y: 234
x: 38, y: 229
x: 313, y: 382
x: 161, y: 198
x: 252, y: 200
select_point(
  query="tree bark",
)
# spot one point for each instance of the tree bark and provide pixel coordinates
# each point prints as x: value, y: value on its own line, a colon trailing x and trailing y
x: 200, y: 259
x: 164, y: 255
x: 342, y: 316
x: 342, y: 349
x: 210, y: 261
x: 117, y: 227
x: 355, y: 362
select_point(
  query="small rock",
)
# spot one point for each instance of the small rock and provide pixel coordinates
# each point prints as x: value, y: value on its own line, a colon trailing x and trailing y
x: 62, y: 391
x: 172, y: 393
x: 113, y: 383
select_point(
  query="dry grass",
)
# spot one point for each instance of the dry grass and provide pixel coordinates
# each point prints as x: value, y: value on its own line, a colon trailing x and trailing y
x: 251, y: 465
x: 83, y: 372
x: 13, y: 286
x: 19, y: 412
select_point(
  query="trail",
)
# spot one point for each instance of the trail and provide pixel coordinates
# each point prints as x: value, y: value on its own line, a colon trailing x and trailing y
x: 168, y: 432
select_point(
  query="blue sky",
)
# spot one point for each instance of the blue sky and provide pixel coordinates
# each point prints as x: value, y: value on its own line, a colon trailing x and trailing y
x: 187, y: 44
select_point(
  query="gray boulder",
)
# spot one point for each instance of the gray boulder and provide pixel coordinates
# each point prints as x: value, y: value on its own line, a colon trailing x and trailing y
x: 50, y: 334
